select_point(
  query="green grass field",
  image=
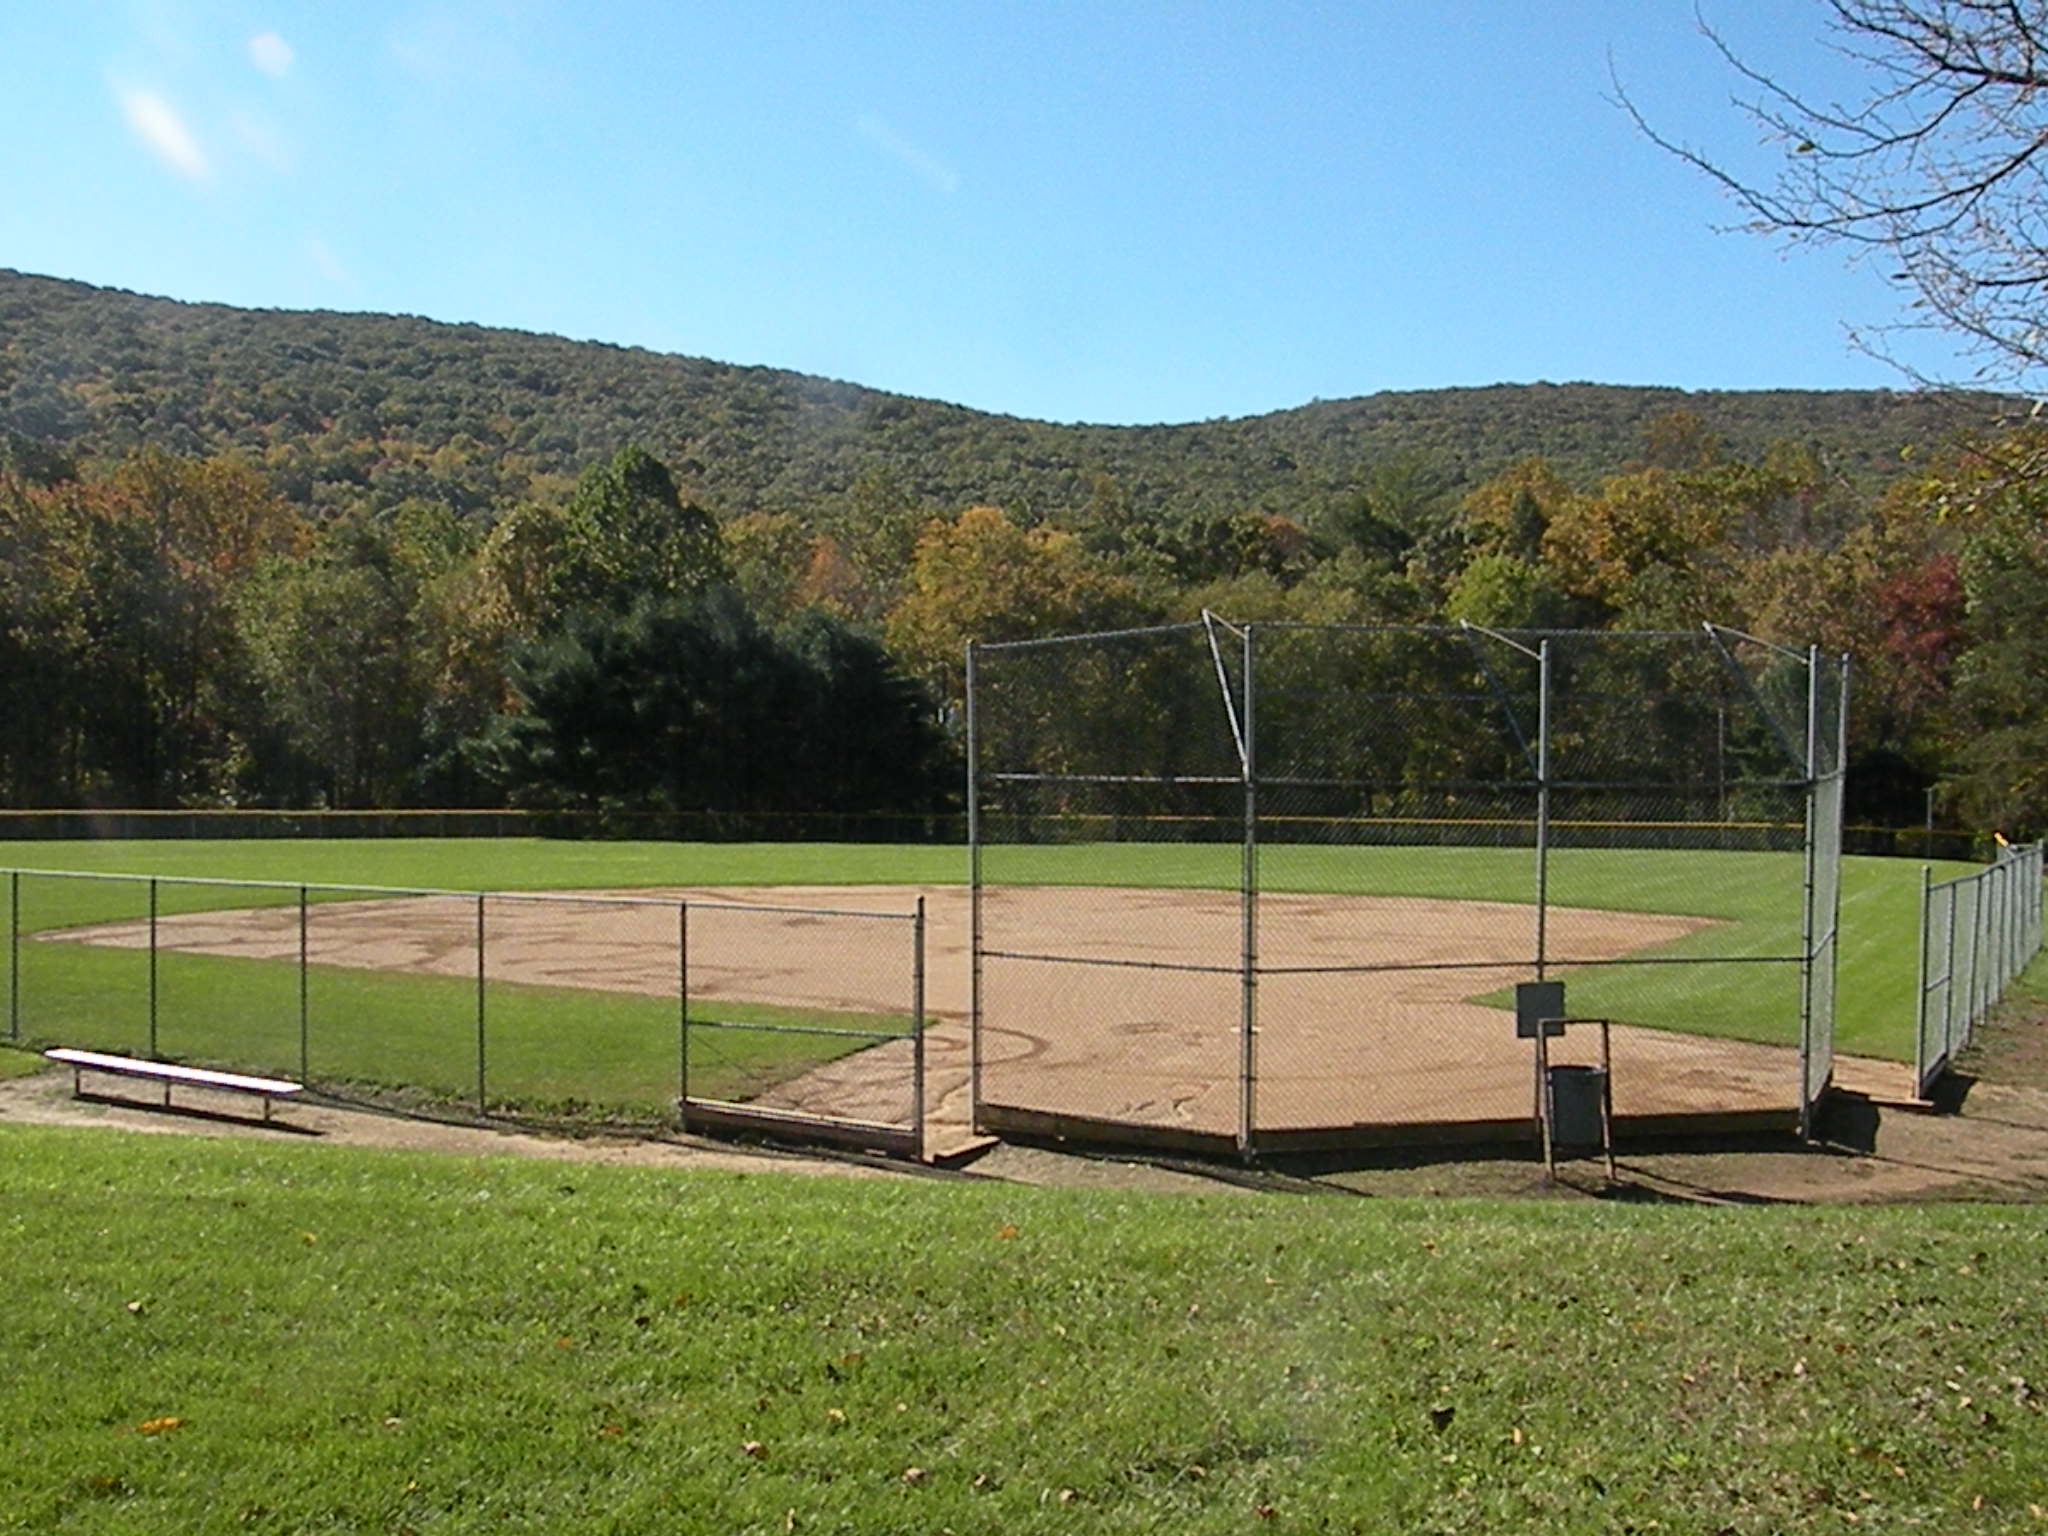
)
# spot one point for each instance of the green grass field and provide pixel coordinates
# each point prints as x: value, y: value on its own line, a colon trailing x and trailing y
x: 548, y: 1050
x: 416, y: 1035
x: 211, y: 1337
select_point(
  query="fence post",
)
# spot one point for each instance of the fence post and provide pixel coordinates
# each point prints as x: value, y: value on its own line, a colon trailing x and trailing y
x: 1807, y: 930
x: 14, y: 954
x: 2034, y: 896
x: 1970, y: 942
x: 2005, y: 895
x: 2016, y: 924
x: 1994, y: 935
x: 1980, y: 973
x: 2012, y: 922
x: 482, y: 1102
x: 683, y: 1013
x: 973, y: 893
x: 2011, y: 936
x: 1948, y: 1011
x: 1248, y: 896
x: 1984, y: 975
x: 2010, y: 939
x: 152, y: 966
x: 305, y: 1011
x: 2021, y: 917
x: 1838, y: 812
x: 917, y: 1032
x: 1994, y: 886
x: 1958, y: 953
x: 1980, y: 944
x: 1920, y: 1053
x: 2023, y: 935
x: 1542, y: 808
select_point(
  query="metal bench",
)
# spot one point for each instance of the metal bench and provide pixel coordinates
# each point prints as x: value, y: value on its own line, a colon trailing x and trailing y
x: 169, y: 1073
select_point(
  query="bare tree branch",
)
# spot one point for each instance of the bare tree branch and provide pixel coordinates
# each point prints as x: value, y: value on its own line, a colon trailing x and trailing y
x: 1941, y: 169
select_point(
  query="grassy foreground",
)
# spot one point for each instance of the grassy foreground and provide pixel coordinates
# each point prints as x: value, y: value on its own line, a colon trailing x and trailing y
x: 238, y: 1337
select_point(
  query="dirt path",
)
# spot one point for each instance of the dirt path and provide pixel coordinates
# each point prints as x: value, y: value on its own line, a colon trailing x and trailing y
x: 45, y: 1098
x: 1995, y: 1147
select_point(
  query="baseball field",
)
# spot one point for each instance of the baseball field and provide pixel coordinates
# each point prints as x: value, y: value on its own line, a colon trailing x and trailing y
x: 283, y: 1335
x: 1387, y: 1003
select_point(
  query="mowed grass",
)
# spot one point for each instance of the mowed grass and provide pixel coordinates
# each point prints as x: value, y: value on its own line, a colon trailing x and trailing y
x: 225, y: 1337
x: 546, y: 1049
x: 563, y: 1051
x: 569, y: 1047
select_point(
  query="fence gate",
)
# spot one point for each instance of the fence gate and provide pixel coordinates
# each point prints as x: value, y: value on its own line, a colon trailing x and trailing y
x: 804, y: 1022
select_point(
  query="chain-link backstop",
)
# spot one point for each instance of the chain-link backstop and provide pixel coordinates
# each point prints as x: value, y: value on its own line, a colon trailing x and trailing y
x: 1269, y: 886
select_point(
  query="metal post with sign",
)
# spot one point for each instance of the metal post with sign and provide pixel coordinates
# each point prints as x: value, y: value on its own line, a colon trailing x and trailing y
x: 1540, y: 1016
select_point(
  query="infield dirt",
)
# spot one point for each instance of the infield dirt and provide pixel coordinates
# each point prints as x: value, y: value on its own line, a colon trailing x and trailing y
x: 1152, y: 1037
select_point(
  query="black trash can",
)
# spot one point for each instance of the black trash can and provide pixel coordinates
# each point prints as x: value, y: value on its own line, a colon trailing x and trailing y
x: 1576, y: 1094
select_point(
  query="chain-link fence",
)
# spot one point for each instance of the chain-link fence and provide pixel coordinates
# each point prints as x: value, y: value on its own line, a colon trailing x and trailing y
x: 629, y: 1008
x: 1977, y: 933
x: 1269, y: 885
x: 709, y: 825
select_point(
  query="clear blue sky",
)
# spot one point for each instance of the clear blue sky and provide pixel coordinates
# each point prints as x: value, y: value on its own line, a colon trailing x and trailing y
x: 1102, y: 211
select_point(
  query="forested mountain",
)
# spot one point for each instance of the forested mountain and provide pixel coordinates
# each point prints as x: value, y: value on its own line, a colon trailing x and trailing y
x: 332, y: 407
x: 290, y: 559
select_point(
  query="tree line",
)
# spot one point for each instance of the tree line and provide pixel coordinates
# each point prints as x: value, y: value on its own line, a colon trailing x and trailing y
x: 176, y: 630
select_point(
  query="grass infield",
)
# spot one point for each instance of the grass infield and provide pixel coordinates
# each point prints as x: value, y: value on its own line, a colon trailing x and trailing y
x: 215, y: 1337
x: 418, y: 1033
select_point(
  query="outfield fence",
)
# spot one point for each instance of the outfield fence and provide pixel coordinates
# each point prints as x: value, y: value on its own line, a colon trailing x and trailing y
x: 592, y: 1007
x: 708, y: 825
x: 1378, y: 831
x: 1977, y: 932
x: 943, y: 828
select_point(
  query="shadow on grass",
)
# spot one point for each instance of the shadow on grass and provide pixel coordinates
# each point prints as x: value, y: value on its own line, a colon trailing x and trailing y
x: 1514, y: 1169
x: 194, y: 1112
x: 1849, y: 1121
x: 1950, y: 1092
x: 1669, y: 1191
x: 571, y: 1118
x: 1652, y: 1171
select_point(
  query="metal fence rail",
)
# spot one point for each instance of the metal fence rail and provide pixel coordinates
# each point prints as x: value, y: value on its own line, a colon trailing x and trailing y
x: 805, y: 1021
x: 1977, y: 932
x: 104, y: 824
x: 944, y: 828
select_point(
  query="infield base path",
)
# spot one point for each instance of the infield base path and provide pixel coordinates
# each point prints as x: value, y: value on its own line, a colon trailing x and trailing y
x: 1095, y: 1003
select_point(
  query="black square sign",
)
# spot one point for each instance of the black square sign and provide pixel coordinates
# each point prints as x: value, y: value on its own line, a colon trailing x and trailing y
x: 1538, y: 1003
